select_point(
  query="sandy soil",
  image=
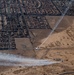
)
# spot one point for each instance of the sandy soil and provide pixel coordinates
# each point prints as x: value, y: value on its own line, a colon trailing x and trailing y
x: 59, y: 46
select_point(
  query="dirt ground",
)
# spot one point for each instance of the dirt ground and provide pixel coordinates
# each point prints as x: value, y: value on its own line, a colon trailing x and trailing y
x: 59, y: 47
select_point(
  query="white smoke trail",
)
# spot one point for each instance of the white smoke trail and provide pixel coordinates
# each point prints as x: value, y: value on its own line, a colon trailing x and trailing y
x: 57, y: 24
x: 15, y: 60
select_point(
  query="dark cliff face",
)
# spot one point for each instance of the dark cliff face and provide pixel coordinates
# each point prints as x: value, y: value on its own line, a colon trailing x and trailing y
x: 73, y: 3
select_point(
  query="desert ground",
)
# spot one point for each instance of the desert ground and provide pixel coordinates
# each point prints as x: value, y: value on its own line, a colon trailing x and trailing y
x: 59, y: 47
